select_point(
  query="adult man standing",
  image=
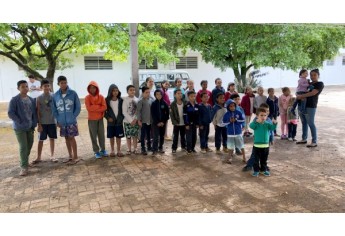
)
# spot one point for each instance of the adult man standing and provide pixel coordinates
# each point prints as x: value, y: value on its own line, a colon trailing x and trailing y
x: 34, y: 87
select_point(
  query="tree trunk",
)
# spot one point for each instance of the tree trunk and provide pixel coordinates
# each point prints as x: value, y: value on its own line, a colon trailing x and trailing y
x: 133, y: 33
x: 51, y: 73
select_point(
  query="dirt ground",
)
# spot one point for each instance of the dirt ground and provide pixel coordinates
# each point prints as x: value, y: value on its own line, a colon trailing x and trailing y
x: 302, y: 179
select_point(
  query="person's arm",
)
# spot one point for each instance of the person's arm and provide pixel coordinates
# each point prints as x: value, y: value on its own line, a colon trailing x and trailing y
x: 253, y: 125
x: 125, y: 104
x: 309, y: 94
x: 139, y: 110
x: 12, y: 112
x: 77, y: 106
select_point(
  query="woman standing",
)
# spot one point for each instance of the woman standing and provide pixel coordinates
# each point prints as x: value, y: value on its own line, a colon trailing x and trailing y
x: 308, y: 118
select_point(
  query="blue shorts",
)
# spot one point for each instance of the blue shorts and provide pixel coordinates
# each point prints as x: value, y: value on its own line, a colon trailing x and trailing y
x: 115, y: 131
x: 47, y: 130
x: 235, y: 141
x: 69, y: 131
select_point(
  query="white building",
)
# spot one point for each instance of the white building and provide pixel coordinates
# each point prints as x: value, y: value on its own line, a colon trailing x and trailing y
x: 93, y: 67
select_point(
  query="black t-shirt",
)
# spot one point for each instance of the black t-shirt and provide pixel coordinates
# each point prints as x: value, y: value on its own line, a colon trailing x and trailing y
x: 312, y: 101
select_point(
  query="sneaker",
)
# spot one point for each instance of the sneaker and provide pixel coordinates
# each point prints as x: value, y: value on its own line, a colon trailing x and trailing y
x: 173, y: 151
x: 290, y: 139
x: 154, y: 153
x: 203, y: 151
x: 312, y: 145
x: 276, y: 135
x: 225, y: 149
x: 255, y: 174
x: 209, y: 150
x: 193, y: 151
x: 104, y: 153
x: 184, y: 149
x: 161, y: 151
x: 294, y: 139
x: 98, y: 155
x: 144, y: 153
x: 282, y: 137
x: 238, y: 152
x: 23, y: 172
x: 266, y: 173
x: 301, y: 142
x: 189, y: 153
x: 247, y: 168
x: 218, y: 151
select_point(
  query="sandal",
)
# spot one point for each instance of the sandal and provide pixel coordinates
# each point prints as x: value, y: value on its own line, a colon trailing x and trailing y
x: 34, y: 162
x: 55, y: 160
x: 112, y: 154
x: 73, y: 162
x: 120, y: 154
x: 128, y: 153
x: 68, y: 160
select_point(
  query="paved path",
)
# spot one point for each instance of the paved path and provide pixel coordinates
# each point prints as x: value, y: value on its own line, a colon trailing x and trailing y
x: 303, y: 180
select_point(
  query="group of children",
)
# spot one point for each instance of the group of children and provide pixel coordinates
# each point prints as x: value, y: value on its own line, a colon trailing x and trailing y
x: 128, y: 117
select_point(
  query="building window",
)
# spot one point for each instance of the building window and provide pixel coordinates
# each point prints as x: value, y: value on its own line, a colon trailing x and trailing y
x: 97, y: 63
x: 343, y: 60
x: 187, y: 63
x: 330, y: 62
x: 143, y: 65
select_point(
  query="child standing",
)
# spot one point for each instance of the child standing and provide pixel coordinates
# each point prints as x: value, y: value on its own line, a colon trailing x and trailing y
x: 234, y: 120
x: 203, y: 89
x: 260, y: 98
x: 191, y: 120
x: 283, y: 102
x: 96, y: 106
x: 247, y: 104
x: 160, y: 116
x: 220, y: 135
x: 178, y: 84
x: 261, y: 141
x: 272, y: 102
x: 292, y: 120
x: 176, y: 114
x: 129, y: 109
x: 190, y: 87
x: 114, y: 117
x: 302, y: 88
x: 218, y: 89
x: 46, y: 122
x: 230, y: 91
x: 66, y: 108
x: 205, y: 118
x: 144, y: 119
x: 22, y: 110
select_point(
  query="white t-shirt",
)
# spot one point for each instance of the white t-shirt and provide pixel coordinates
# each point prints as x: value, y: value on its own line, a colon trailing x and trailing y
x: 34, y: 85
x: 115, y: 106
x: 180, y: 113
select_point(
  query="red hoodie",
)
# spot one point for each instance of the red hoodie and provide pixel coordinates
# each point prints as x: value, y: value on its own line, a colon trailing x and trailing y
x: 95, y: 104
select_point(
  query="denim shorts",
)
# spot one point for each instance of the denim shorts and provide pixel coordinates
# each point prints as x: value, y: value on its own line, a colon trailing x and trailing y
x: 69, y: 131
x: 47, y: 130
x: 235, y: 141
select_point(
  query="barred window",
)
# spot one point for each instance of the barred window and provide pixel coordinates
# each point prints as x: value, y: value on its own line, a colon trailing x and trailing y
x: 143, y: 65
x: 330, y: 62
x: 187, y: 63
x: 97, y: 63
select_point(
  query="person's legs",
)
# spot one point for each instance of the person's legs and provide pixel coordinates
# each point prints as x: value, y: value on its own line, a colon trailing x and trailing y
x: 39, y: 151
x: 161, y: 138
x: 183, y: 137
x: 189, y: 138
x: 207, y: 132
x: 143, y: 136
x: 294, y: 131
x: 290, y: 130
x: 101, y: 137
x: 224, y: 137
x: 118, y: 146
x: 112, y: 146
x: 310, y: 116
x: 155, y: 130
x: 93, y: 131
x: 176, y: 132
x: 69, y: 148
x: 52, y: 147
x: 194, y: 137
x: 148, y: 137
x: 304, y: 126
x: 283, y: 124
x: 23, y: 148
x: 202, y: 134
x: 217, y: 137
x: 74, y: 147
x: 256, y: 165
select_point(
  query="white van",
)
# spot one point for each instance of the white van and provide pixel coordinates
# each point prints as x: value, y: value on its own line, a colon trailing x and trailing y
x: 161, y: 75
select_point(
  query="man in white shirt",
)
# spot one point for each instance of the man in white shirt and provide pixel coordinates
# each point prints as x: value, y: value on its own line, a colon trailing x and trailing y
x: 34, y: 87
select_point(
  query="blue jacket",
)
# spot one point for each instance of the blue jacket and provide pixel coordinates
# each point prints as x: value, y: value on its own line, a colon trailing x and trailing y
x: 15, y: 112
x: 238, y: 108
x: 274, y: 108
x: 66, y: 110
x: 233, y: 128
x: 191, y: 114
x: 215, y: 91
x: 205, y: 114
x: 159, y: 111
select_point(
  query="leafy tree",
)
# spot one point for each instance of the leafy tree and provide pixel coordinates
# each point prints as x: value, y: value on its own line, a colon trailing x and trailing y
x: 35, y: 47
x: 244, y: 46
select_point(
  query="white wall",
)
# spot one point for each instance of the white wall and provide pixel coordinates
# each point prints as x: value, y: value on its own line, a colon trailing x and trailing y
x: 79, y: 78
